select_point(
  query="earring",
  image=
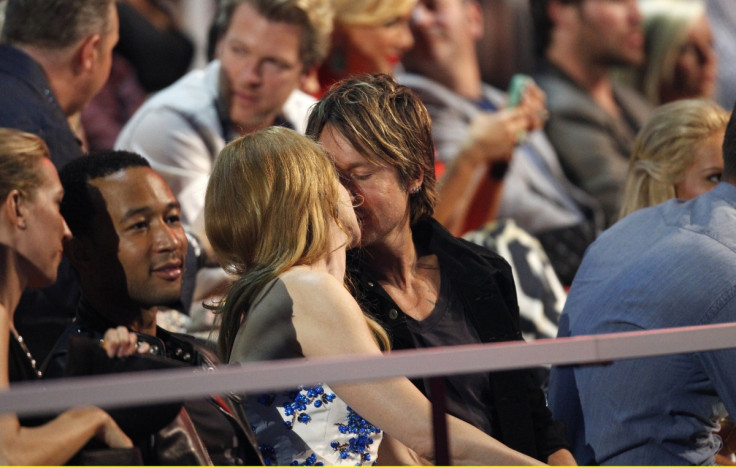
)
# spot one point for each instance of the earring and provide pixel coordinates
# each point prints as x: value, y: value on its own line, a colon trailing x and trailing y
x: 416, y: 190
x: 22, y: 225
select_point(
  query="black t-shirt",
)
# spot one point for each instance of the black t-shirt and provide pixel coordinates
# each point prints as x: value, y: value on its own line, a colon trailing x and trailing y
x: 468, y: 395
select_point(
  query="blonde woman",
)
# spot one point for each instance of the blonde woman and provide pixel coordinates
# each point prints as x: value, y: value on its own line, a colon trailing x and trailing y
x: 681, y: 60
x: 31, y: 235
x: 369, y: 36
x: 677, y: 154
x: 277, y: 216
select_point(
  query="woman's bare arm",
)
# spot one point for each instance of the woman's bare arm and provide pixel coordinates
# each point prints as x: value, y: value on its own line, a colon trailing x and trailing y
x: 55, y: 442
x: 393, y: 452
x: 329, y: 322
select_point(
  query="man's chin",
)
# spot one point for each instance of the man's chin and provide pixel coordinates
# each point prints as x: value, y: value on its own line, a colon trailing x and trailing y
x: 244, y: 123
x: 168, y: 299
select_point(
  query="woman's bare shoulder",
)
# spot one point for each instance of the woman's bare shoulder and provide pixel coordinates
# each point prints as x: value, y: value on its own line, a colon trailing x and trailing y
x: 306, y: 285
x: 304, y: 276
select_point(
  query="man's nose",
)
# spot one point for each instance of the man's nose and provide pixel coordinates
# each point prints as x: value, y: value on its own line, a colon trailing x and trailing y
x: 250, y: 72
x: 165, y: 238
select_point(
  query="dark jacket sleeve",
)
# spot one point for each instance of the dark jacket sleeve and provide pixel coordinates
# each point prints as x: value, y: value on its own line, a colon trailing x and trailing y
x: 517, y: 393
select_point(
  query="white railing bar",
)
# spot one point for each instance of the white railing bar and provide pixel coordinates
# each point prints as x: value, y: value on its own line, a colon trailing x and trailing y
x: 34, y: 398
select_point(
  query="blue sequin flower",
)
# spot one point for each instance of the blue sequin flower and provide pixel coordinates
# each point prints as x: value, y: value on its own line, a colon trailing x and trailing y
x: 359, y: 444
x: 296, y: 409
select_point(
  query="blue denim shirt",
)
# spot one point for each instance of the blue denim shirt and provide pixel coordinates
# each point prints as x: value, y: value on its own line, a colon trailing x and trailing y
x: 667, y: 266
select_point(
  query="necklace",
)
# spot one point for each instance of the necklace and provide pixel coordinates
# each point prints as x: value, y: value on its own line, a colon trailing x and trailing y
x: 24, y: 348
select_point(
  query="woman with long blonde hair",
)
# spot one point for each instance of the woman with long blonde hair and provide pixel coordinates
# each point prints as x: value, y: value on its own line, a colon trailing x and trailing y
x: 277, y: 216
x: 677, y: 154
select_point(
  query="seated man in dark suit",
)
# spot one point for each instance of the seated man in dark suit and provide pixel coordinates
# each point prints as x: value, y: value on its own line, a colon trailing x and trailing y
x: 129, y: 249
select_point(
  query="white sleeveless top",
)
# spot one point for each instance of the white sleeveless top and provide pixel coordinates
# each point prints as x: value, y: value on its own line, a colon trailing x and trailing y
x: 311, y: 426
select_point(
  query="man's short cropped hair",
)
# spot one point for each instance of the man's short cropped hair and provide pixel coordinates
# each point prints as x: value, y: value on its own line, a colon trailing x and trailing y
x: 54, y: 24
x: 78, y: 206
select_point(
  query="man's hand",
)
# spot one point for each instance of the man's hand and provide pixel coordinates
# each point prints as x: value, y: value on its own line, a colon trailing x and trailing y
x: 493, y: 136
x: 119, y: 342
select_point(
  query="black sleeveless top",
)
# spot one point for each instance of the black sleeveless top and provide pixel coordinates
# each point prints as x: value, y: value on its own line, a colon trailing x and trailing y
x: 20, y: 367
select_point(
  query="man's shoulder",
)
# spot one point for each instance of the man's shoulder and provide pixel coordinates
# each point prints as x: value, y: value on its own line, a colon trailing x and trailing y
x: 567, y: 100
x: 711, y: 216
x: 633, y: 103
x: 671, y: 255
x: 437, y: 97
x: 296, y: 109
x: 187, y: 108
x: 461, y: 248
x: 192, y: 93
x: 55, y: 364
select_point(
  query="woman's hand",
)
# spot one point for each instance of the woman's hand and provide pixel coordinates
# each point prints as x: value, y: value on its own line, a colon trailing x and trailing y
x: 111, y: 434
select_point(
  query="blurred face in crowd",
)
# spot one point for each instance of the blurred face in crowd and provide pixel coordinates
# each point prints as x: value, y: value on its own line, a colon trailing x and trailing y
x: 609, y: 32
x: 443, y: 29
x: 705, y: 172
x: 139, y: 242
x: 381, y: 202
x: 261, y: 66
x: 45, y: 227
x: 377, y: 48
x: 696, y: 66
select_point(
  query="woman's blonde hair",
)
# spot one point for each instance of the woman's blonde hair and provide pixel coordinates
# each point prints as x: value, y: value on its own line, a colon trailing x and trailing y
x: 666, y: 26
x: 665, y: 149
x: 370, y: 12
x: 20, y: 153
x: 270, y: 203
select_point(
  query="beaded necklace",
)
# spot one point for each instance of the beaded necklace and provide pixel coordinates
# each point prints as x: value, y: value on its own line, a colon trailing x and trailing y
x: 24, y: 347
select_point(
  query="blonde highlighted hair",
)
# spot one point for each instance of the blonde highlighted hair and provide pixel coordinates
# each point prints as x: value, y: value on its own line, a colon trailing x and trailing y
x: 370, y: 12
x: 270, y: 202
x: 20, y: 153
x: 665, y: 149
x: 666, y: 26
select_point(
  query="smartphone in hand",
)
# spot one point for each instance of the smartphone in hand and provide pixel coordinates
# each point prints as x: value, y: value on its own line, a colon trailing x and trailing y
x: 517, y: 87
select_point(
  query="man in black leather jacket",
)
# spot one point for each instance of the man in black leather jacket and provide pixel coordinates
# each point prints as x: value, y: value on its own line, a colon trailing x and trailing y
x: 129, y: 250
x: 426, y: 287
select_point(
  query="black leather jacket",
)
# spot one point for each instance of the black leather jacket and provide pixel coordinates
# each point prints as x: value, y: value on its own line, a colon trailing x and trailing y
x: 211, y: 431
x: 485, y: 285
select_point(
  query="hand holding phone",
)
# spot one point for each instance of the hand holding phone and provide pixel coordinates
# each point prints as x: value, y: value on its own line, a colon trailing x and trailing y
x: 517, y: 87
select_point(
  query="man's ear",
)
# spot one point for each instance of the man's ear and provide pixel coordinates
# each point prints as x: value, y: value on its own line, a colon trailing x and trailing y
x: 86, y: 55
x: 474, y: 12
x: 309, y: 81
x: 416, y: 184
